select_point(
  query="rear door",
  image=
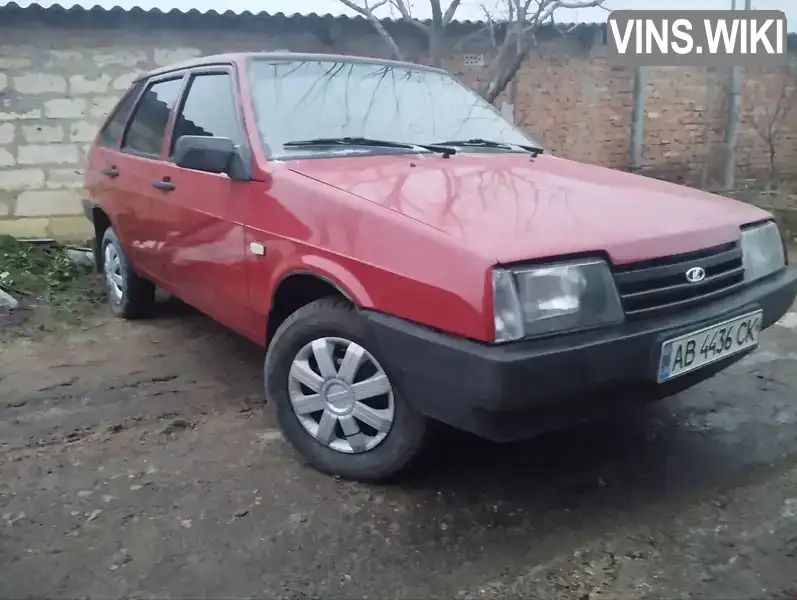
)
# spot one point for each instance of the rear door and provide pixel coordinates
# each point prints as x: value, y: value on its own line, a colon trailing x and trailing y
x: 202, y: 213
x: 139, y: 164
x: 102, y: 172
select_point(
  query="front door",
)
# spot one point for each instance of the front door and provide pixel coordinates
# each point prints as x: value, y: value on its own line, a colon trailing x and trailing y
x: 200, y: 213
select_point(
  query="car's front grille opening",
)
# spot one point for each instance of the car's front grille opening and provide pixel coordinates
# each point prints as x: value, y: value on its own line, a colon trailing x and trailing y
x: 660, y: 285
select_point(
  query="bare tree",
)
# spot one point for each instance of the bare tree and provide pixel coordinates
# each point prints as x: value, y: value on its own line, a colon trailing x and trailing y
x: 520, y: 21
x: 434, y: 29
x: 523, y: 19
x: 769, y: 118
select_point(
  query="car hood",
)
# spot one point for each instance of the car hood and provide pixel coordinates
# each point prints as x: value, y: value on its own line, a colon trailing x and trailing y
x: 511, y: 207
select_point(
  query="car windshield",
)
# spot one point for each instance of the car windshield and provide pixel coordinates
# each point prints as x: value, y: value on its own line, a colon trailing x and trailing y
x: 303, y: 106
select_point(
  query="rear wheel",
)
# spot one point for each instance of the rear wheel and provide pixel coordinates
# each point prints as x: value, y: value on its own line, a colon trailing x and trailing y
x: 336, y: 403
x: 129, y: 295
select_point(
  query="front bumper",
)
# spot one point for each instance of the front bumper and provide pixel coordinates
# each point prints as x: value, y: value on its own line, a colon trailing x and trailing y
x: 513, y: 391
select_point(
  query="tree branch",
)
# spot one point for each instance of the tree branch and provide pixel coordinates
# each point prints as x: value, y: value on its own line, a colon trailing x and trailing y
x: 367, y: 12
x: 521, y: 38
x: 552, y: 5
x: 449, y: 14
x: 767, y: 122
x: 404, y: 10
x: 437, y: 14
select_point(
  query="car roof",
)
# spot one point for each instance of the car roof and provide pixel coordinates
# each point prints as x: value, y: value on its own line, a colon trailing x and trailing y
x: 232, y: 58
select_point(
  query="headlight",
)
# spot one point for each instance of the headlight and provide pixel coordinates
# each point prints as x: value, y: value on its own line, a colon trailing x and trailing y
x: 762, y: 251
x: 553, y: 298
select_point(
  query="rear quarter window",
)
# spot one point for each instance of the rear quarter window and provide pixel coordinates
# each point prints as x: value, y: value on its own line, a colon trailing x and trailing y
x: 111, y: 132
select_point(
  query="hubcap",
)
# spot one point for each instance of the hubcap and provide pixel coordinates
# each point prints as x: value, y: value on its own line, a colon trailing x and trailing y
x: 113, y: 272
x: 341, y: 395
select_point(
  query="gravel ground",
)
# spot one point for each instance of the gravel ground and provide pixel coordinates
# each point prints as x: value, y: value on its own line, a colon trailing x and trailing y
x: 138, y: 461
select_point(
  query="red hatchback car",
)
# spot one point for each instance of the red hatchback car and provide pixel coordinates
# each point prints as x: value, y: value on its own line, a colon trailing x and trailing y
x: 407, y: 256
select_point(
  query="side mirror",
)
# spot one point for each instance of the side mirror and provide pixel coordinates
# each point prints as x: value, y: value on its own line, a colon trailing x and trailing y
x: 204, y: 153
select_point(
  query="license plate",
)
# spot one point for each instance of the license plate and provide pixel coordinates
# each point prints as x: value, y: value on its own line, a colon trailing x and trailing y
x: 700, y: 348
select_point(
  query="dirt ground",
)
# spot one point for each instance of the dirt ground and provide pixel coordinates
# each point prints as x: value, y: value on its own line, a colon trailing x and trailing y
x: 137, y: 461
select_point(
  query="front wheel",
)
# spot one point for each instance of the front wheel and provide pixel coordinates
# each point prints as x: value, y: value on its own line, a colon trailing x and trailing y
x: 336, y: 403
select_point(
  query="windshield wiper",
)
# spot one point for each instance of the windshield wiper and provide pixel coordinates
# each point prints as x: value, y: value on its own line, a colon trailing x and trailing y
x: 368, y: 142
x: 482, y: 143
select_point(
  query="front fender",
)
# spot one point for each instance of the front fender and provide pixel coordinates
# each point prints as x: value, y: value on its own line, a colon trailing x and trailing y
x: 333, y: 272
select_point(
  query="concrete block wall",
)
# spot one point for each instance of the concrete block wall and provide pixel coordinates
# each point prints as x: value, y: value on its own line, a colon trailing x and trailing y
x: 55, y: 92
x: 53, y: 96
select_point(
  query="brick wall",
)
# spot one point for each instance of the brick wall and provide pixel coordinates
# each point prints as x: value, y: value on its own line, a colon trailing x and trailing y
x: 58, y: 83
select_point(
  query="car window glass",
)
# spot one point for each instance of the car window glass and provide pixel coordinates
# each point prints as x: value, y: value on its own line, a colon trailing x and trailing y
x: 111, y: 132
x: 299, y: 100
x: 146, y: 131
x: 209, y: 109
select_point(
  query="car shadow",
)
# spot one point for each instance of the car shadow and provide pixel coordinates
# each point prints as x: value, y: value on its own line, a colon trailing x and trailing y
x: 619, y: 453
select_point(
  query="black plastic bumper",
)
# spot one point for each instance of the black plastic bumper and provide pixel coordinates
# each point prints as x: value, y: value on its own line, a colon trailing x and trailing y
x: 513, y: 391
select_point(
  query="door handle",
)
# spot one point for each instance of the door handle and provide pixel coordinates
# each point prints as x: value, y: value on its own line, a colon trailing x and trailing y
x: 163, y: 185
x: 112, y: 172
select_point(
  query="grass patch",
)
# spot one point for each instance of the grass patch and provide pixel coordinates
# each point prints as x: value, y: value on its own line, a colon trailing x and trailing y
x: 44, y: 276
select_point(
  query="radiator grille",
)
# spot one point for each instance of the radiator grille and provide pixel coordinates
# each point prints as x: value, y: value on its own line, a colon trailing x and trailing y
x: 660, y: 286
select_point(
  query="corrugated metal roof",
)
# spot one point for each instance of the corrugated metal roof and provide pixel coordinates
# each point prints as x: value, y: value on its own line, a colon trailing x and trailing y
x: 79, y: 12
x: 118, y: 17
x: 77, y: 9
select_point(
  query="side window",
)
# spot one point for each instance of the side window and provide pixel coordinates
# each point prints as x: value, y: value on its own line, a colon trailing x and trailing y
x: 147, y: 129
x: 209, y: 109
x: 111, y: 132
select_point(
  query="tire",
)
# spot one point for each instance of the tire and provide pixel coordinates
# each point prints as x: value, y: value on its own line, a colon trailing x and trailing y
x: 375, y: 451
x: 129, y: 295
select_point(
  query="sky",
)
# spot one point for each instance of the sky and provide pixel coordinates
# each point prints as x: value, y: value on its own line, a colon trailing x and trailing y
x: 469, y: 9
